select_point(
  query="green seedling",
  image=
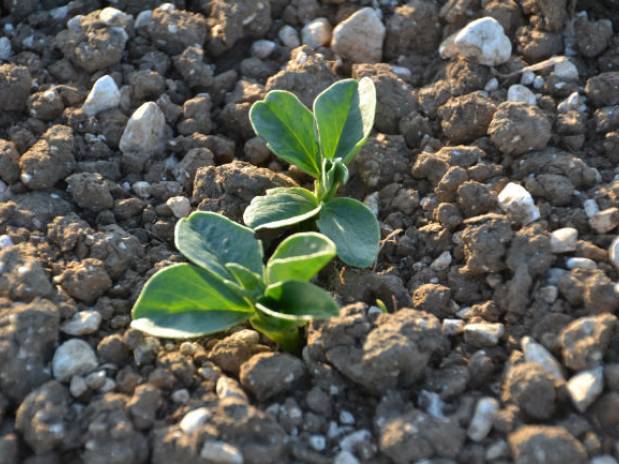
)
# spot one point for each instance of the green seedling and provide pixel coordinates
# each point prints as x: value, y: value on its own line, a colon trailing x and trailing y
x: 227, y: 284
x: 321, y: 144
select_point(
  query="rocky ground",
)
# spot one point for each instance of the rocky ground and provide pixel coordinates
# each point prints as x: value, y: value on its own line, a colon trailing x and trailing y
x: 493, y: 172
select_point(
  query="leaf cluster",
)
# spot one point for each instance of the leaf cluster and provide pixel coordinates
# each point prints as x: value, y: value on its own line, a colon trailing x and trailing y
x: 321, y: 143
x: 226, y: 283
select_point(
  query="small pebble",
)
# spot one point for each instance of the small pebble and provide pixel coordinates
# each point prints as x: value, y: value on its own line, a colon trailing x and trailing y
x: 498, y: 449
x: 141, y: 189
x: 351, y: 441
x: 82, y: 323
x: 517, y: 201
x: 591, y: 207
x: 585, y: 387
x: 346, y: 418
x: 483, y: 418
x: 95, y: 380
x: 527, y: 78
x: 5, y: 49
x: 566, y: 70
x: 492, y: 85
x: 194, y: 419
x: 289, y: 36
x: 538, y: 354
x: 317, y: 33
x: 452, y: 327
x: 442, y: 262
x: 143, y: 19
x: 103, y: 96
x: 73, y: 357
x: 262, y: 48
x: 603, y: 459
x: 549, y: 293
x: 221, y: 452
x: 520, y: 93
x: 563, y: 240
x: 180, y: 206
x: 483, y: 333
x: 318, y: 442
x: 538, y: 82
x: 613, y: 252
x: 580, y: 263
x: 78, y: 386
x: 345, y: 457
x: 483, y: 40
x: 5, y: 241
x: 180, y: 396
x: 605, y: 221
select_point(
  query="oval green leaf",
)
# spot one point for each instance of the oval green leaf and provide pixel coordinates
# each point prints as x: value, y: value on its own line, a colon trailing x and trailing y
x: 299, y: 257
x: 344, y: 115
x: 281, y: 207
x: 297, y: 301
x: 353, y: 228
x: 211, y: 241
x: 183, y: 301
x: 287, y: 125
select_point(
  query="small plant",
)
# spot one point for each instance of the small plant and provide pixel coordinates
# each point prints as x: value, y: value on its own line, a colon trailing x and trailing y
x: 320, y: 144
x: 228, y: 284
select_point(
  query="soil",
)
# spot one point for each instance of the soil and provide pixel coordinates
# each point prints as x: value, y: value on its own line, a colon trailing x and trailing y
x: 501, y: 342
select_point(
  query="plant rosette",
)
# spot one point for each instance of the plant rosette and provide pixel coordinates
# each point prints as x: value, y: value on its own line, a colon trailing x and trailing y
x: 322, y: 144
x: 226, y: 284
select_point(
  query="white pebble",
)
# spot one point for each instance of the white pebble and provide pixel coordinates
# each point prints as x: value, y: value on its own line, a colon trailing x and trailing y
x: 613, y: 252
x: 605, y: 221
x: 563, y: 240
x: 59, y: 13
x: 518, y: 202
x: 143, y: 19
x: 78, y: 386
x: 73, y: 357
x: 538, y: 354
x: 538, y: 82
x: 603, y: 459
x: 345, y: 457
x: 75, y: 23
x: 359, y: 38
x: 5, y: 241
x: 221, y: 452
x: 350, y: 442
x: 317, y: 33
x: 82, y: 323
x: 180, y: 396
x: 263, y: 48
x: 566, y: 70
x: 104, y: 95
x: 442, y: 262
x: 451, y: 327
x: 585, y: 387
x: 520, y: 93
x: 346, y: 418
x: 194, y: 419
x: 580, y: 263
x: 591, y: 207
x: 180, y: 206
x: 492, y: 85
x: 318, y: 442
x: 5, y: 48
x: 144, y: 131
x: 141, y: 188
x: 114, y: 17
x: 484, y: 40
x: 527, y: 77
x: 483, y: 418
x: 289, y: 36
x: 372, y: 201
x: 484, y: 333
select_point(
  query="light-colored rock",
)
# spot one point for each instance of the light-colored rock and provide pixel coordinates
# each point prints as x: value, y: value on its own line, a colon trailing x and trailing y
x: 114, y: 17
x: 591, y: 207
x: 318, y: 442
x: 352, y: 440
x: 144, y: 131
x: 142, y: 189
x: 442, y: 262
x: 143, y: 19
x: 483, y: 418
x: 194, y: 419
x: 346, y: 417
x: 549, y: 293
x: 538, y: 354
x: 566, y: 70
x: 492, y: 85
x: 518, y: 202
x: 78, y: 386
x: 496, y: 450
x: 104, y: 95
x: 345, y: 457
x: 522, y: 94
x: 563, y: 240
x: 96, y: 380
x: 5, y: 49
x: 538, y: 82
x: 289, y: 36
x: 451, y: 327
x: 605, y: 221
x: 73, y: 357
x: 221, y: 452
x: 82, y: 323
x: 229, y: 388
x: 5, y: 241
x: 483, y: 40
x: 580, y: 263
x: 180, y: 206
x: 263, y: 48
x: 359, y: 38
x: 603, y: 459
x: 585, y: 387
x: 527, y: 77
x: 317, y: 33
x: 613, y: 252
x: 483, y: 333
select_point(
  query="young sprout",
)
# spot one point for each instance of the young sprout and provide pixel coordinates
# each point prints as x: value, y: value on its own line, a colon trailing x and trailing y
x: 322, y: 144
x: 227, y: 284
